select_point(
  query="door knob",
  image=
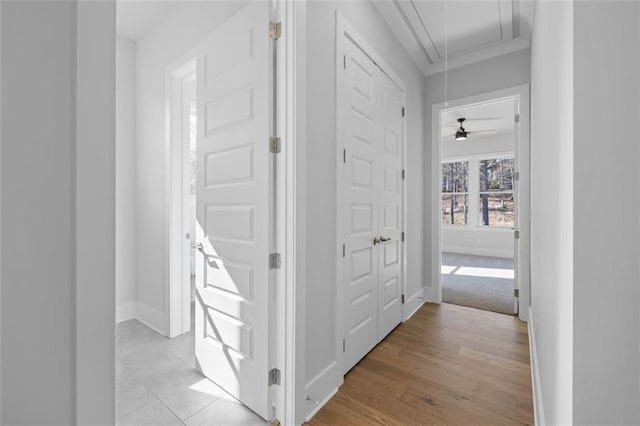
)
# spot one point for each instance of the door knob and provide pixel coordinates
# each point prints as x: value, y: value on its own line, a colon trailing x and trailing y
x: 384, y: 240
x: 376, y: 240
x: 198, y: 247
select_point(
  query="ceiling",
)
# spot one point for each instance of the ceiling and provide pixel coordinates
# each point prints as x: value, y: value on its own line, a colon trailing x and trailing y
x: 136, y: 17
x: 475, y: 30
x: 494, y: 116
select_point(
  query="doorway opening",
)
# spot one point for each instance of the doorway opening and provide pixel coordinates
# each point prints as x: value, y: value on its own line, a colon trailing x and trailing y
x: 196, y: 333
x: 481, y: 158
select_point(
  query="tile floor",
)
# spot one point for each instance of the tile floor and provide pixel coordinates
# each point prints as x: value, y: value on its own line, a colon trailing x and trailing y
x: 157, y: 383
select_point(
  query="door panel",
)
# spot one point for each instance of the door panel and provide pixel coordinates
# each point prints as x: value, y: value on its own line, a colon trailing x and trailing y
x: 360, y: 272
x: 233, y: 216
x: 390, y: 206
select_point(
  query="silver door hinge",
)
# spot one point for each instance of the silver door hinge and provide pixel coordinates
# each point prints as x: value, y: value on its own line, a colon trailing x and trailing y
x: 344, y: 155
x: 274, y: 145
x: 516, y: 292
x: 516, y: 234
x: 403, y: 174
x: 344, y: 62
x: 344, y: 345
x: 274, y: 261
x: 274, y: 377
x: 516, y: 175
x: 402, y: 236
x: 344, y: 250
x: 275, y: 30
x: 516, y: 118
x: 403, y: 111
x: 403, y: 299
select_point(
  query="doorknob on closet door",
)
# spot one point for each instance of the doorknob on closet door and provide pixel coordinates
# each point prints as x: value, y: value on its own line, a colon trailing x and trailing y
x: 384, y: 240
x: 376, y: 240
x: 198, y: 247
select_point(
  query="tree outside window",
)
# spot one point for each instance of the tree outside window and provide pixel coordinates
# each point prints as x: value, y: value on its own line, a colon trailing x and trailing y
x: 455, y: 193
x: 496, y: 203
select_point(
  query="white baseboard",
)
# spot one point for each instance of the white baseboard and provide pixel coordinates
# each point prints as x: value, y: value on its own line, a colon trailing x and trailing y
x: 538, y: 408
x: 431, y: 294
x: 125, y: 311
x: 478, y: 251
x: 321, y: 404
x: 413, y: 303
x: 152, y: 318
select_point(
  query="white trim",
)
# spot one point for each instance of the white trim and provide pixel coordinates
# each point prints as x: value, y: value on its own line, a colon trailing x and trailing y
x: 321, y: 404
x: 151, y: 317
x: 345, y: 30
x: 125, y: 312
x: 413, y: 304
x: 538, y: 407
x: 293, y: 177
x: 520, y: 93
x: 178, y: 291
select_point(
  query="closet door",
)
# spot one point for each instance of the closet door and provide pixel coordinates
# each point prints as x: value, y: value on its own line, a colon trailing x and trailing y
x: 360, y: 137
x: 389, y: 176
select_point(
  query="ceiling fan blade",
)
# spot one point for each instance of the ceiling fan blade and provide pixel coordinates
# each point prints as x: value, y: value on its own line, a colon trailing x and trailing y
x: 484, y: 132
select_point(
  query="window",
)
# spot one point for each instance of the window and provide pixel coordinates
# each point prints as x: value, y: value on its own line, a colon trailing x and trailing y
x: 455, y: 193
x: 495, y: 202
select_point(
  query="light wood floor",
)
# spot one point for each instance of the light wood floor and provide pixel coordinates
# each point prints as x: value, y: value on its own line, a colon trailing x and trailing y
x: 447, y: 365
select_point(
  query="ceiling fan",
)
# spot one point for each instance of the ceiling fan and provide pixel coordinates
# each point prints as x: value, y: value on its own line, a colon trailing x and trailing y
x: 461, y: 133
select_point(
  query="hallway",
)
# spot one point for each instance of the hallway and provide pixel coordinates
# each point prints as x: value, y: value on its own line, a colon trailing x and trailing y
x: 447, y: 365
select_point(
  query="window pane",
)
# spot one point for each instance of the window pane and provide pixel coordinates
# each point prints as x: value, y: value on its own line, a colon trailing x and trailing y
x: 455, y: 177
x: 496, y: 210
x: 496, y: 175
x: 455, y: 210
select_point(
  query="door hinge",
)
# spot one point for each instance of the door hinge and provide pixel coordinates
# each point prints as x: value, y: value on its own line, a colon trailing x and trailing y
x: 516, y: 292
x: 403, y: 299
x: 403, y: 174
x: 344, y: 250
x: 403, y: 111
x: 274, y: 145
x: 275, y: 30
x: 344, y: 62
x: 274, y: 377
x: 274, y: 261
x: 344, y: 155
x: 516, y: 118
x: 402, y: 236
x: 344, y: 345
x: 516, y: 234
x: 516, y: 175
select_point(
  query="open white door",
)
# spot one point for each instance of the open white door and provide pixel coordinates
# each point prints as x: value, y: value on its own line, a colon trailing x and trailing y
x: 233, y: 209
x: 516, y: 208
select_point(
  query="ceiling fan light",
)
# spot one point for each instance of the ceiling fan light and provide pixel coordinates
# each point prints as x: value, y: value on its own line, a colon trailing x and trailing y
x: 461, y: 135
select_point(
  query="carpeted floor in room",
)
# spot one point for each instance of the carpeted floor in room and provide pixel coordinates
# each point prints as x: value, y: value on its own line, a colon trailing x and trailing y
x: 478, y: 281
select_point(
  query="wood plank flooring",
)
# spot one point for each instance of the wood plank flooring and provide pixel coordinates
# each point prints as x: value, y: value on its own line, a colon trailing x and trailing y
x: 447, y: 365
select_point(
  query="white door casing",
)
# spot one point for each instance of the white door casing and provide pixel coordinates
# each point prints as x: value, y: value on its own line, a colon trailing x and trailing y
x: 370, y: 202
x: 390, y: 214
x: 233, y: 206
x: 361, y: 133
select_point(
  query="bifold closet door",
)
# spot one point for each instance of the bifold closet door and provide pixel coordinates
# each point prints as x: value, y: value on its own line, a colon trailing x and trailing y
x: 360, y: 133
x: 389, y: 174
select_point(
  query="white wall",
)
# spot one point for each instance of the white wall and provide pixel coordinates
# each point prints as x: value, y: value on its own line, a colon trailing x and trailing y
x: 606, y: 334
x: 167, y: 42
x: 38, y: 138
x: 125, y: 178
x: 552, y: 207
x: 493, y: 74
x: 473, y: 239
x: 58, y: 215
x: 323, y: 336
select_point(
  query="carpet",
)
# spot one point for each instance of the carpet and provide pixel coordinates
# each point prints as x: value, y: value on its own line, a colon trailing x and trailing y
x: 480, y: 282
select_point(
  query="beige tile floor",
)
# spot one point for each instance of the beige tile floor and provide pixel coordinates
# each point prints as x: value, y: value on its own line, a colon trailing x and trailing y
x: 157, y: 383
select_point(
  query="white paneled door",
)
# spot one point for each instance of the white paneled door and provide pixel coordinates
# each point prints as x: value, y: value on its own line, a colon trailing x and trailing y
x: 370, y: 203
x: 233, y: 209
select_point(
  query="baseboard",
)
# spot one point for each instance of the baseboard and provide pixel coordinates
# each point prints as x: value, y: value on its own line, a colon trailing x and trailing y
x: 413, y: 303
x: 321, y: 404
x: 152, y: 318
x: 125, y: 311
x: 478, y: 251
x: 538, y: 408
x: 431, y: 294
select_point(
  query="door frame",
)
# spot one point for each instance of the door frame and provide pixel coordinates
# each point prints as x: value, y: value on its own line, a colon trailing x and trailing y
x: 345, y: 30
x: 520, y: 94
x: 178, y: 289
